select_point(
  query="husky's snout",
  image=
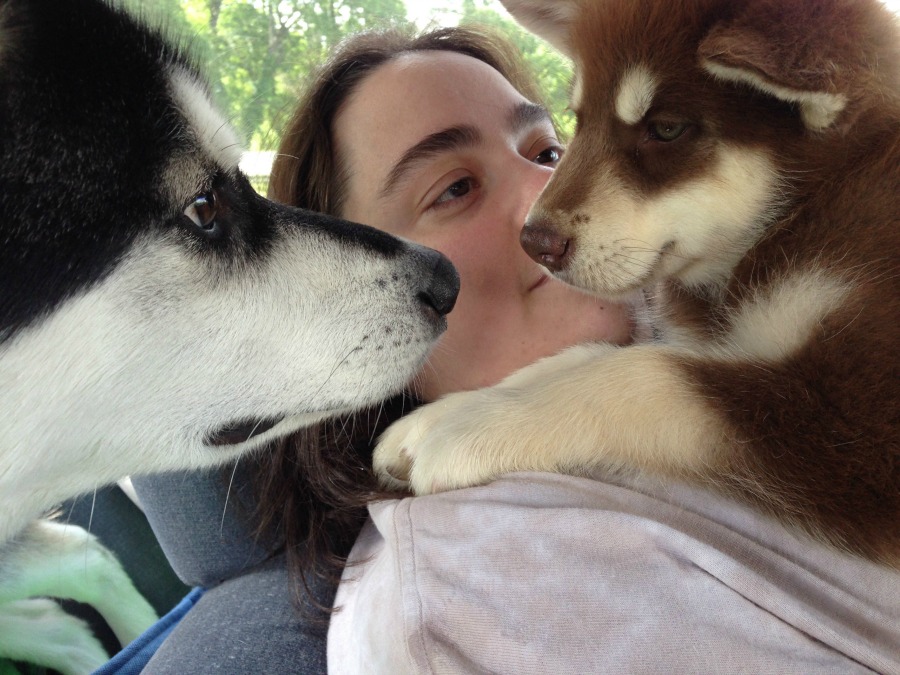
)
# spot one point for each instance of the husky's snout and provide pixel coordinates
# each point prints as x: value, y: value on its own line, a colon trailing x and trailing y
x: 440, y: 282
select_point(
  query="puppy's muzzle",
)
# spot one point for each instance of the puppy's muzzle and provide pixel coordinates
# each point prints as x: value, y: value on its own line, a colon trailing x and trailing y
x: 546, y: 246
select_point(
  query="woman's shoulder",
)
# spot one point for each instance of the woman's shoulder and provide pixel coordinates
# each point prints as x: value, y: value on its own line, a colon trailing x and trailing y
x: 536, y: 570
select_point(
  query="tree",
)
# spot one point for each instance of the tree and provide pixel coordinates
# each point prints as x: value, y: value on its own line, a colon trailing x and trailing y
x: 259, y: 53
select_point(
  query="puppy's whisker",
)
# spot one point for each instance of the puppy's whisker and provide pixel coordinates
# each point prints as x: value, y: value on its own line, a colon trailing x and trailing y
x: 635, y: 262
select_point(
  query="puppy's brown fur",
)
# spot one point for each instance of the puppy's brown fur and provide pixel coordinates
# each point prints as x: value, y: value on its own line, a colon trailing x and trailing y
x: 742, y: 160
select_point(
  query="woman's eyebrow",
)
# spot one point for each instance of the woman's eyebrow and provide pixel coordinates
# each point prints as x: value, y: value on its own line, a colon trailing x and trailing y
x: 523, y: 115
x: 528, y: 114
x: 446, y: 140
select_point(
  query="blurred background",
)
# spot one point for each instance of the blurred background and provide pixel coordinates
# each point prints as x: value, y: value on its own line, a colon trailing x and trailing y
x: 258, y: 53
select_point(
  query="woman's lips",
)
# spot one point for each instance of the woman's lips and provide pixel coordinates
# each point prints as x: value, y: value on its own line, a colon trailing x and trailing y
x: 544, y: 278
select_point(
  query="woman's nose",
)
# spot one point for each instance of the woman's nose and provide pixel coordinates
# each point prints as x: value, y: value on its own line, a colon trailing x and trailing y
x: 532, y: 180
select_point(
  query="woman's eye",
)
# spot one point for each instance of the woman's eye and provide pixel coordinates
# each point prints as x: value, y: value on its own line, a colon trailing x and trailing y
x: 202, y: 212
x: 459, y: 189
x: 551, y: 155
x: 666, y: 131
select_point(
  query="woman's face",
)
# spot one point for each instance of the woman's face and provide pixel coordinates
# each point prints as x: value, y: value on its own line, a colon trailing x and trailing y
x: 441, y: 149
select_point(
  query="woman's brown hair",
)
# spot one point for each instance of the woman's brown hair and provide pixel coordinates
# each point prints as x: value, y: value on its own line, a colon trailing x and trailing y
x: 314, y: 486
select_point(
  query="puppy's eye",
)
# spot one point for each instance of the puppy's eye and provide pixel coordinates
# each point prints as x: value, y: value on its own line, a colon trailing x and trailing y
x: 201, y: 214
x: 666, y: 131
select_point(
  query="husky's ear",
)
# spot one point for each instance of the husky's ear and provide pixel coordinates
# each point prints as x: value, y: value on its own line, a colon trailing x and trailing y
x: 812, y: 59
x: 551, y: 20
x: 12, y: 32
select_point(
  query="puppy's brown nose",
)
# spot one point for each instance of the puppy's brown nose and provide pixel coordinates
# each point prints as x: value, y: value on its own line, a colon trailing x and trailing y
x: 546, y: 246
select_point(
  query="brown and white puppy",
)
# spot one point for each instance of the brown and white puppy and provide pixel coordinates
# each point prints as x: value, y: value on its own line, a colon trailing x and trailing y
x: 742, y: 159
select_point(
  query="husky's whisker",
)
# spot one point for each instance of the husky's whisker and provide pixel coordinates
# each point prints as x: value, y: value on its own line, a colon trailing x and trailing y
x: 227, y: 497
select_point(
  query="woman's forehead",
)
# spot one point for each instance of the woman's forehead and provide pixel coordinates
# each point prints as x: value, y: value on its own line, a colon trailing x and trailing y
x: 418, y: 93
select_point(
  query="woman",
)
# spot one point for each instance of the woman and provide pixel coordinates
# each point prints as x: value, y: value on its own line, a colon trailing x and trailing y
x: 312, y: 490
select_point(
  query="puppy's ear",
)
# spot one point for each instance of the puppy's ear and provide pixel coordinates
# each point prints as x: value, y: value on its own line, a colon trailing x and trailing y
x: 551, y: 20
x: 811, y: 55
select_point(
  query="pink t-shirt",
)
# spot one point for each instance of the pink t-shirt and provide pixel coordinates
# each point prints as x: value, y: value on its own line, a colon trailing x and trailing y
x: 542, y: 573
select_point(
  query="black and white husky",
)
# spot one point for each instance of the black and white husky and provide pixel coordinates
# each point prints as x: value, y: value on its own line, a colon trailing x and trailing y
x: 156, y: 313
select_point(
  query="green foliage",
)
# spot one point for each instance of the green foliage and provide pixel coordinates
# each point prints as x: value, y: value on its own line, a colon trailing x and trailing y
x: 258, y: 53
x: 265, y: 49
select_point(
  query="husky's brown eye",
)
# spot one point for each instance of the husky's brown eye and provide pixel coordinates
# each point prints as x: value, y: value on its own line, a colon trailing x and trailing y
x: 202, y: 212
x: 666, y: 131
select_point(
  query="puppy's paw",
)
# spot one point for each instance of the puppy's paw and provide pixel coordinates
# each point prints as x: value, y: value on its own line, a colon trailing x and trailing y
x: 435, y: 448
x: 392, y: 460
x: 469, y: 438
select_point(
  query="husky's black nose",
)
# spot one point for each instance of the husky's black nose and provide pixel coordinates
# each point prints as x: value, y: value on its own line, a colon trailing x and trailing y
x: 440, y: 284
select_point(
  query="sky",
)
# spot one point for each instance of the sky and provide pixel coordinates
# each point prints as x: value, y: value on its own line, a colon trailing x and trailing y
x: 425, y: 11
